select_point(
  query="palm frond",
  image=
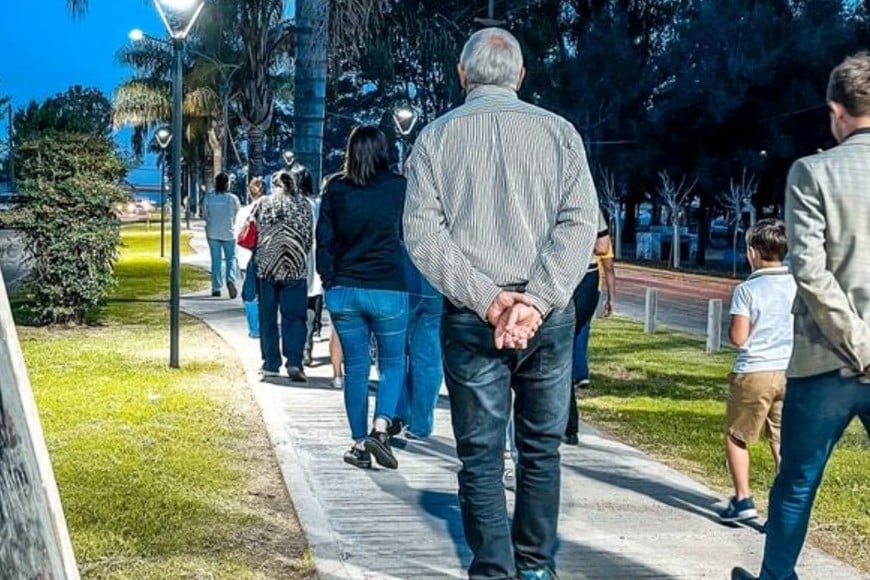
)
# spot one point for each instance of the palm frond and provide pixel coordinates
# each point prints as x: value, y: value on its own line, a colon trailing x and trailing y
x: 148, y: 57
x: 77, y: 7
x: 202, y: 102
x: 141, y: 103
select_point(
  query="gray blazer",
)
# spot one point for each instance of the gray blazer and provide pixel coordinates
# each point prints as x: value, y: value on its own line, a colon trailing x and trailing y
x: 827, y: 214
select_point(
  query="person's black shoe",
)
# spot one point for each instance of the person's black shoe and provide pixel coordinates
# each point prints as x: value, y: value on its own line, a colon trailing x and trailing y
x: 395, y: 427
x: 739, y: 573
x: 378, y: 444
x: 231, y: 288
x: 296, y: 375
x: 358, y: 458
x: 571, y: 439
x: 215, y: 293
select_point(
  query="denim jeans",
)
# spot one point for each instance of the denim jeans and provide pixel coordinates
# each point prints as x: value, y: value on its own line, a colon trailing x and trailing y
x: 815, y: 414
x: 290, y: 298
x: 585, y: 302
x: 356, y: 314
x: 249, y: 286
x: 479, y: 379
x: 425, y: 371
x: 223, y: 254
x: 580, y: 359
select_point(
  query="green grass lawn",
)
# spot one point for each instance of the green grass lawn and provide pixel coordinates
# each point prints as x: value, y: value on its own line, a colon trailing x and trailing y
x: 162, y: 473
x: 663, y: 394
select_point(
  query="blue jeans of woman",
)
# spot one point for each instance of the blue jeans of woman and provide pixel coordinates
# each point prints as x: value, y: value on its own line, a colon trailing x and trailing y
x: 425, y: 371
x: 223, y: 256
x: 357, y: 313
x: 480, y: 379
x: 815, y: 414
x: 290, y: 298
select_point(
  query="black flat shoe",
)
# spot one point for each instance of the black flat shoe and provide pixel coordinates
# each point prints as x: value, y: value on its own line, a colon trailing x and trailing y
x: 378, y: 444
x: 358, y: 458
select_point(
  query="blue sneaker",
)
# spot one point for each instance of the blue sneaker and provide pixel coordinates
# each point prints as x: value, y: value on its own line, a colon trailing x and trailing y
x: 539, y: 574
x: 738, y: 510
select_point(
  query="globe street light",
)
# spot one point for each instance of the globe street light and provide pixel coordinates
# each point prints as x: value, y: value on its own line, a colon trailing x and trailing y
x: 289, y: 158
x: 163, y: 136
x: 405, y: 118
x: 178, y: 16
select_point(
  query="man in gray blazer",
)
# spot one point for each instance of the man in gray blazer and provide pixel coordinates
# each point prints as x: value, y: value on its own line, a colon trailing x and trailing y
x: 827, y: 213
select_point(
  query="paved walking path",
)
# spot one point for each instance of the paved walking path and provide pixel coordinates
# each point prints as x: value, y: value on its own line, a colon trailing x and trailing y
x: 623, y: 514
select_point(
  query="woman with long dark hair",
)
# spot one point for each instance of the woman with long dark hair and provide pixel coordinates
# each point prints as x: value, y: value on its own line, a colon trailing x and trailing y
x: 284, y: 238
x: 359, y: 258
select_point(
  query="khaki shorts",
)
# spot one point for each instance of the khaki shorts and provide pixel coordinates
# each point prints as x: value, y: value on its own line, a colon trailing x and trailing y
x: 755, y: 405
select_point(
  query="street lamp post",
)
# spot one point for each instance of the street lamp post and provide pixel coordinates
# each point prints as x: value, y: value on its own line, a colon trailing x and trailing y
x: 405, y: 118
x: 178, y: 16
x: 163, y: 137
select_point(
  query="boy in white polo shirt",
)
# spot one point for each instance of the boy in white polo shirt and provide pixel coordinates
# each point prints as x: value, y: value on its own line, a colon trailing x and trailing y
x: 761, y: 329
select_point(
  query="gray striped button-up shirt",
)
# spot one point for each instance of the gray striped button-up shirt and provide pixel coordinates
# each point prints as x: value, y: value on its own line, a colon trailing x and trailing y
x: 500, y: 195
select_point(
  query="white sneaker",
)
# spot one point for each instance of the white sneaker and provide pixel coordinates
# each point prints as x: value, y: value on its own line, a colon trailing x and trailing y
x: 509, y: 479
x: 338, y: 382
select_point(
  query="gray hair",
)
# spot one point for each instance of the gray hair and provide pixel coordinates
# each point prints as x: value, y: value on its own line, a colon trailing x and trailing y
x: 492, y: 56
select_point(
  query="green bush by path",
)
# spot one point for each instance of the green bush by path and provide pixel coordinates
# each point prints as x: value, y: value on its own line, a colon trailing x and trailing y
x: 162, y: 473
x: 663, y: 394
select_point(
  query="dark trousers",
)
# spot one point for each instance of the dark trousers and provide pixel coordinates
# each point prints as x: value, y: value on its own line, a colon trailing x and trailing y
x: 480, y: 379
x: 290, y: 298
x: 816, y: 413
x: 585, y: 302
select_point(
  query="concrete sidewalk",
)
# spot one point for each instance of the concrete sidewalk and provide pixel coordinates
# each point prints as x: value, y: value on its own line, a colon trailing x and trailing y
x: 624, y: 515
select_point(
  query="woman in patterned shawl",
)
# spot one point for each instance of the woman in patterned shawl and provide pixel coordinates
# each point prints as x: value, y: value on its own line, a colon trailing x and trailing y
x: 284, y: 239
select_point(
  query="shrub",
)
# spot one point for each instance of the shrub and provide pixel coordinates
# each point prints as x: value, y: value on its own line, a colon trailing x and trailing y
x: 71, y: 237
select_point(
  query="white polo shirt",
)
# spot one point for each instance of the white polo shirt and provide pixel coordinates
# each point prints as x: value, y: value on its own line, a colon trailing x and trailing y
x: 766, y: 299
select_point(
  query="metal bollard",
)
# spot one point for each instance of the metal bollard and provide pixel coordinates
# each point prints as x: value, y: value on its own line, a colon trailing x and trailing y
x: 651, y: 310
x: 714, y: 325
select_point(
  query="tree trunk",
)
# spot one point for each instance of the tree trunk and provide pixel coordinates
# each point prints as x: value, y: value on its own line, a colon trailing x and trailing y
x: 734, y: 249
x: 310, y: 84
x: 256, y: 144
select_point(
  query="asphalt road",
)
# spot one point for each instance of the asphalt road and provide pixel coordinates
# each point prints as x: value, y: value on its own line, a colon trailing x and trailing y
x: 683, y: 298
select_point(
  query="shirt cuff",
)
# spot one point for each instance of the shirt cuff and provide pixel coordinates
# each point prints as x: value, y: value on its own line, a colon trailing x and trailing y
x: 541, y: 305
x: 486, y: 301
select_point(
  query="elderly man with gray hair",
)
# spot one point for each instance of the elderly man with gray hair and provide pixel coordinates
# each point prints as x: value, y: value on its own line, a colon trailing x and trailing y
x: 500, y: 211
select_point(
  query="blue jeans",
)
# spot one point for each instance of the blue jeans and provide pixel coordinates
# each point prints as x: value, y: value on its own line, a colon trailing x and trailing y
x: 290, y: 298
x: 815, y: 414
x: 425, y: 372
x: 580, y: 360
x: 479, y: 379
x: 356, y: 314
x: 223, y: 253
x: 249, y: 286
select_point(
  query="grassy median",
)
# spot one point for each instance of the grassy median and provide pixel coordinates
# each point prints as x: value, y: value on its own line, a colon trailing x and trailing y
x: 162, y: 473
x: 663, y: 394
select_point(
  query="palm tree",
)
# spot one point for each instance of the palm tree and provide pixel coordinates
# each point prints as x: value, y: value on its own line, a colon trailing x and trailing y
x: 344, y: 26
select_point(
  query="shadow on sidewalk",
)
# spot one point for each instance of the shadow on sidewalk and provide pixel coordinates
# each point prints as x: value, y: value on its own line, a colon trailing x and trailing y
x: 688, y: 500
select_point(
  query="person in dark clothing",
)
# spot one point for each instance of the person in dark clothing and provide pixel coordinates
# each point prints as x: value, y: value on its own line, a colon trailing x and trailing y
x: 360, y: 261
x: 585, y: 302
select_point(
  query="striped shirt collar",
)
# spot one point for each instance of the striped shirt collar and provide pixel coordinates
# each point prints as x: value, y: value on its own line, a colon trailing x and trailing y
x: 488, y: 91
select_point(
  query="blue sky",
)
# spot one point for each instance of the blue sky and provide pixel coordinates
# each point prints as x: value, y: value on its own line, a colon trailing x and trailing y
x: 47, y: 50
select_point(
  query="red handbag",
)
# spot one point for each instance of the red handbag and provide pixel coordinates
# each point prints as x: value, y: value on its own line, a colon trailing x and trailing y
x: 248, y: 236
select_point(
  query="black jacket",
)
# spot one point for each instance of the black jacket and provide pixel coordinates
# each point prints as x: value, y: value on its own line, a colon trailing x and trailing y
x: 359, y: 234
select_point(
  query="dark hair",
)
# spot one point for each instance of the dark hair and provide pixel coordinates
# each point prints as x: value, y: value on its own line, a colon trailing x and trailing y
x: 303, y: 178
x: 367, y: 155
x: 849, y: 84
x: 288, y: 183
x: 768, y: 238
x: 221, y: 182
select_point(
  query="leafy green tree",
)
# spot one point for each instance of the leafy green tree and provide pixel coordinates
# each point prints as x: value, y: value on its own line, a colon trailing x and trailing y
x: 71, y: 170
